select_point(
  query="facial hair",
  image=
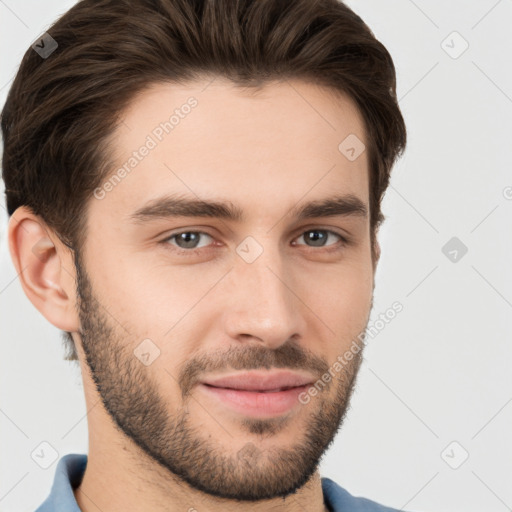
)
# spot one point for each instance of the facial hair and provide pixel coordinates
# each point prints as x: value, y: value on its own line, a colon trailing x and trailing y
x: 166, y: 432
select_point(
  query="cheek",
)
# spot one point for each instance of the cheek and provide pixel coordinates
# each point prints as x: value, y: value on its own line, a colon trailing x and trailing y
x: 158, y: 299
x: 341, y: 297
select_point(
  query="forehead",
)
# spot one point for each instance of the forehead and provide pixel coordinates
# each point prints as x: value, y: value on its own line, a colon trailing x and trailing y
x: 264, y: 148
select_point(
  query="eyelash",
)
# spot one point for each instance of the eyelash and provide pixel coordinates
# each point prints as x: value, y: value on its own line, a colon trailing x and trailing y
x: 190, y: 252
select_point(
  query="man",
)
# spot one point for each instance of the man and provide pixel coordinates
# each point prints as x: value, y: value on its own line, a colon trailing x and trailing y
x: 194, y: 190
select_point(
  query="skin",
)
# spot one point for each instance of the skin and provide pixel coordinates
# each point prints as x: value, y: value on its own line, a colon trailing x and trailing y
x: 156, y: 440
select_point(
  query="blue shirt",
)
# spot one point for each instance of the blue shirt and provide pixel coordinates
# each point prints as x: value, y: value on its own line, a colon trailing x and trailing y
x: 71, y: 467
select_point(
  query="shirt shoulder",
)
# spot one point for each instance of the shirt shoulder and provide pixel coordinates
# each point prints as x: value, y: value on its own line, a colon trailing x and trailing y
x: 338, y: 499
x: 68, y: 475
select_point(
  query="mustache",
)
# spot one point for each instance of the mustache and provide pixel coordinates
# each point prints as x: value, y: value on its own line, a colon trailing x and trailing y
x: 289, y: 356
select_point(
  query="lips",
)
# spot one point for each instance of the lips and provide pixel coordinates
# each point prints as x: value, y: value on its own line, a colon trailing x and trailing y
x: 263, y: 382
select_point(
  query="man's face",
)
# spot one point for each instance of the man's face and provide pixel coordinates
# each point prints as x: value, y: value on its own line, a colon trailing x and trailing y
x: 269, y: 293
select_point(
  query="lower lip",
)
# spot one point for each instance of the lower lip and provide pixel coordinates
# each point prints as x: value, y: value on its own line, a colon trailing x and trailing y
x: 256, y: 403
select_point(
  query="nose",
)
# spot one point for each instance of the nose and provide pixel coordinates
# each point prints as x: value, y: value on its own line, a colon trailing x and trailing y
x: 264, y: 301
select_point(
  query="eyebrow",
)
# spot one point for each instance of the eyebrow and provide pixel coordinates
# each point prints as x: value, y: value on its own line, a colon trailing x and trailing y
x: 177, y: 206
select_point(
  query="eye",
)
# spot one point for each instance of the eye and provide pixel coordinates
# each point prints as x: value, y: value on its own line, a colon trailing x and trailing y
x: 318, y: 237
x: 187, y: 239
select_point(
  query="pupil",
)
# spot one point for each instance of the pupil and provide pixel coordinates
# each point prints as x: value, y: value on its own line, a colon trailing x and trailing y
x: 188, y: 237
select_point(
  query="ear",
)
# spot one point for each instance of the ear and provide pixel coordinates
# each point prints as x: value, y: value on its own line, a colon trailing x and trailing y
x: 45, y: 268
x: 376, y: 254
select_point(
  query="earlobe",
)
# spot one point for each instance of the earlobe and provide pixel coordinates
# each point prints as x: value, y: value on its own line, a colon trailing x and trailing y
x: 376, y: 255
x: 44, y: 267
x: 377, y: 252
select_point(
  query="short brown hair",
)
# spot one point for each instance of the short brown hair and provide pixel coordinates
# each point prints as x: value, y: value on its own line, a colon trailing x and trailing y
x: 61, y: 110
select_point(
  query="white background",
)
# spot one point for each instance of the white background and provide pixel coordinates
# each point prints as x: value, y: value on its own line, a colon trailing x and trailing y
x: 440, y: 371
